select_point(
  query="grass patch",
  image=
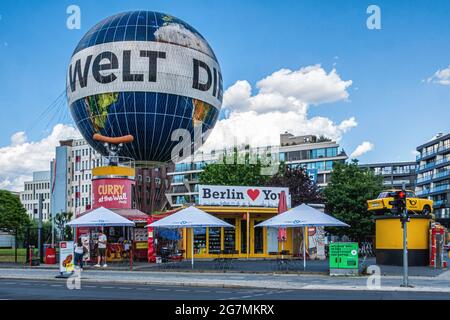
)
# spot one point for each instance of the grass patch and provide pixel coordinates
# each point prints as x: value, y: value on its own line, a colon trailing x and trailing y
x: 7, y: 255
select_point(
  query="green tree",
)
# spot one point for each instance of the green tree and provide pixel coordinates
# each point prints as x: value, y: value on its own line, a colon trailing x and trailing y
x: 13, y: 216
x: 61, y: 219
x: 345, y: 198
x: 235, y: 169
x: 301, y: 188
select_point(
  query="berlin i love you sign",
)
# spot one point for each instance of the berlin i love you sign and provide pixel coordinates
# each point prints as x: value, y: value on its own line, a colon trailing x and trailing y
x: 241, y: 196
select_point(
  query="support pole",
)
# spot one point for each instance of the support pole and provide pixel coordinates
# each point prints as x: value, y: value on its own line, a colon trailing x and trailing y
x: 404, y: 215
x: 192, y: 247
x: 304, y: 249
x: 405, y: 254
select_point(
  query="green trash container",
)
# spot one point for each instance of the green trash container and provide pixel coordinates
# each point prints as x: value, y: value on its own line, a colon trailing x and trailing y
x: 343, y: 258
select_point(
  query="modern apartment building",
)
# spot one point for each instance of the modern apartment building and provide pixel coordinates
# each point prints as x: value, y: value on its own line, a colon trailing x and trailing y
x: 29, y: 197
x: 433, y: 174
x: 395, y: 173
x: 315, y: 154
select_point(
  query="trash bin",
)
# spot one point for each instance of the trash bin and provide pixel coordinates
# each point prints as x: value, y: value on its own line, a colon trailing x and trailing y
x: 50, y: 254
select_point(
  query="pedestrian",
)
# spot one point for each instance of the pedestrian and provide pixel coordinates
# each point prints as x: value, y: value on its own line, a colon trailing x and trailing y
x: 79, y: 253
x: 102, y: 243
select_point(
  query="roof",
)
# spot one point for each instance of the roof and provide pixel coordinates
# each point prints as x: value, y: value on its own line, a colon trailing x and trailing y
x: 130, y: 214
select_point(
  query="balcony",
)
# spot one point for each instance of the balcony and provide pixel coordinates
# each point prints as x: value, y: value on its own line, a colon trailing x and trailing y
x: 443, y: 148
x: 426, y: 154
x: 425, y: 179
x: 439, y: 203
x: 440, y: 188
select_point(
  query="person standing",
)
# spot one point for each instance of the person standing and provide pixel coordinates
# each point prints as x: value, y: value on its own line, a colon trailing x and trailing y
x: 102, y: 243
x: 79, y: 253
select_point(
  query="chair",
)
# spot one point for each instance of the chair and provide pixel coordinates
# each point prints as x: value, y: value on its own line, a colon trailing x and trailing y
x: 282, y: 262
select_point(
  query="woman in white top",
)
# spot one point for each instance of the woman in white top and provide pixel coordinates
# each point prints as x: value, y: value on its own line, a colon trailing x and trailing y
x: 79, y: 253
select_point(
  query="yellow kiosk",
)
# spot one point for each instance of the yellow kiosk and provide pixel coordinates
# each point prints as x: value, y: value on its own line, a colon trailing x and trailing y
x: 242, y: 207
x: 389, y: 240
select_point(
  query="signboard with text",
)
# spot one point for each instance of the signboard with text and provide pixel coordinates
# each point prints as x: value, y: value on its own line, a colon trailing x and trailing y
x: 66, y: 257
x: 241, y: 196
x: 112, y: 193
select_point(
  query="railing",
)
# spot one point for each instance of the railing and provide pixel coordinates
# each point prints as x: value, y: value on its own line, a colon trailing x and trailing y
x: 440, y: 188
x: 426, y: 178
x: 426, y: 154
x: 439, y: 203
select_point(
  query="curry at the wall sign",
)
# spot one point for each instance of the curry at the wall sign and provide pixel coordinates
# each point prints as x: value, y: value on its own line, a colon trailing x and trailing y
x: 112, y: 193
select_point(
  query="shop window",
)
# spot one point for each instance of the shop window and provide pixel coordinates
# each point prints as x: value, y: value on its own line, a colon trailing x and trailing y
x: 214, y: 240
x: 199, y: 240
x: 229, y: 235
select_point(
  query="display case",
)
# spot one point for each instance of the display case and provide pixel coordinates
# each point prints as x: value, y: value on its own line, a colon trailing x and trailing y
x: 200, y: 241
x: 229, y: 241
x: 214, y: 241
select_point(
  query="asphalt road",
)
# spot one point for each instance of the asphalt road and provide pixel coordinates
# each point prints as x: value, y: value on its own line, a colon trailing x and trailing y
x: 35, y: 290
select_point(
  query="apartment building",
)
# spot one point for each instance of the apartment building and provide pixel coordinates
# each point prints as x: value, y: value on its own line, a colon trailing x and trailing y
x: 315, y: 154
x: 395, y: 173
x: 433, y: 174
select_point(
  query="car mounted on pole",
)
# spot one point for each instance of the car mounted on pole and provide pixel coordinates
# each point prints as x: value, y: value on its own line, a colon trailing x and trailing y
x: 388, y: 200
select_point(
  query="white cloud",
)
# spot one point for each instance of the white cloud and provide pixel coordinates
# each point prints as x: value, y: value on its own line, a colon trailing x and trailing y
x: 363, y: 148
x: 441, y: 77
x: 281, y: 104
x: 21, y: 158
x: 311, y: 85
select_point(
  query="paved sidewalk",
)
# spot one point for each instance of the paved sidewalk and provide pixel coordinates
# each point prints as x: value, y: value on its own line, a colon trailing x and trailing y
x: 240, y: 280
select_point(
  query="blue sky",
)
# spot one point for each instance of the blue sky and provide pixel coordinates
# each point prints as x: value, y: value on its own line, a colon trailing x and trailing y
x: 394, y: 108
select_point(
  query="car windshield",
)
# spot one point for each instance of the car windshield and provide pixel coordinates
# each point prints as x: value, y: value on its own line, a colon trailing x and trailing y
x: 388, y: 194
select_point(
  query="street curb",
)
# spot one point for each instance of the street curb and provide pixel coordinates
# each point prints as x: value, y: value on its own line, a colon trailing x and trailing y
x: 249, y: 285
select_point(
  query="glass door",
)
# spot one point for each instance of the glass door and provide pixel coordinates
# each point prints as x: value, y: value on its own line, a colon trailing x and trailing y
x: 243, y: 236
x: 258, y: 243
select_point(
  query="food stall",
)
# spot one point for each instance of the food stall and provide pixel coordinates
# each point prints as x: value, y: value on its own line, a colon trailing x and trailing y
x: 121, y: 240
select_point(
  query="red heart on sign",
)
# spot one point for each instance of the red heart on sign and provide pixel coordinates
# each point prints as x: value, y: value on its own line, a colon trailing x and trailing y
x: 253, y: 193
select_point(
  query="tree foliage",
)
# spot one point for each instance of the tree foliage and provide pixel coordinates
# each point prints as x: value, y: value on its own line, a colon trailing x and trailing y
x: 301, y: 188
x: 13, y: 216
x: 345, y: 198
x: 235, y: 170
x: 61, y: 219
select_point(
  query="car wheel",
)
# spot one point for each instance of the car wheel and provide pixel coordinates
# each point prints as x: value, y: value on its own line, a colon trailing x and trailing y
x: 426, y: 210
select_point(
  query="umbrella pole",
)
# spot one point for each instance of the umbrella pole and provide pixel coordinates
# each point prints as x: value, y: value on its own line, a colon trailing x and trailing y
x: 192, y: 247
x: 304, y: 250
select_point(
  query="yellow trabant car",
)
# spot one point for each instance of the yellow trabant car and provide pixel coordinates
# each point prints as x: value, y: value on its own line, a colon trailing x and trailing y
x: 381, y: 205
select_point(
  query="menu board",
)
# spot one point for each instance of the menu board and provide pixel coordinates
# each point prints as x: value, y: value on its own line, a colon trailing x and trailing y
x: 214, y: 240
x: 140, y: 234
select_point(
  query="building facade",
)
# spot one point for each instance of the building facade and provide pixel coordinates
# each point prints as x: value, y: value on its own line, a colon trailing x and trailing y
x: 395, y: 173
x: 29, y: 197
x: 71, y: 180
x: 433, y: 174
x: 317, y: 155
x: 150, y: 188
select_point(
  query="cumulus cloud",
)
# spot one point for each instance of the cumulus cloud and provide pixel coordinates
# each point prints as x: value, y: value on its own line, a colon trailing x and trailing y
x: 21, y: 157
x: 441, y: 76
x: 312, y: 85
x: 280, y: 104
x: 363, y: 148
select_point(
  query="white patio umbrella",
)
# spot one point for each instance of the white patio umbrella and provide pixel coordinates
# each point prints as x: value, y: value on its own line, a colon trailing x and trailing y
x: 101, y: 217
x: 302, y: 216
x: 190, y: 217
